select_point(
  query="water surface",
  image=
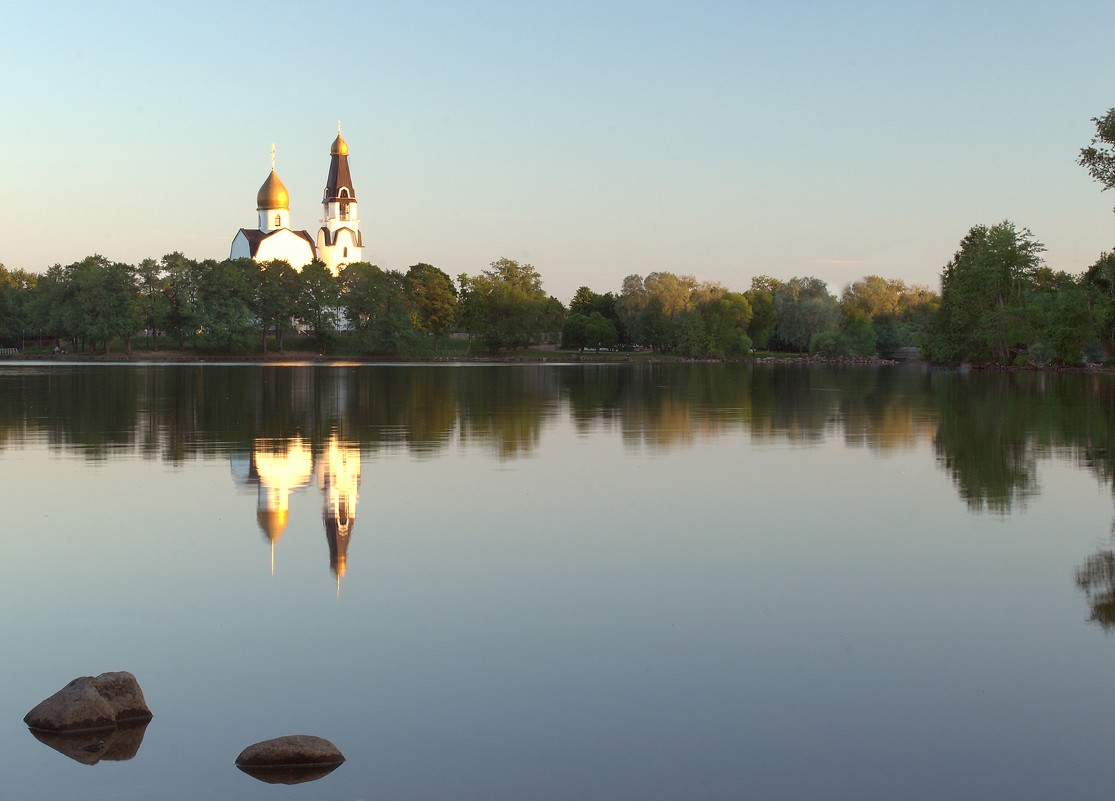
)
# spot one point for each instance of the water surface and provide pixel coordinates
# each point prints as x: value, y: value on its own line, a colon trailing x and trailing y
x: 552, y: 582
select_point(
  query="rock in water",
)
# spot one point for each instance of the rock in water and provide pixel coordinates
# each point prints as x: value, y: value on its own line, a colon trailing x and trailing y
x: 292, y: 759
x: 86, y: 703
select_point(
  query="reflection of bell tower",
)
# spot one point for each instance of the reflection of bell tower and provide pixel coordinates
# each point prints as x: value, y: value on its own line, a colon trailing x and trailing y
x: 282, y: 466
x: 339, y: 480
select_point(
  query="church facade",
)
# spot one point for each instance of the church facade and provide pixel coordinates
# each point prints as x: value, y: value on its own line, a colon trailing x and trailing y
x: 338, y: 241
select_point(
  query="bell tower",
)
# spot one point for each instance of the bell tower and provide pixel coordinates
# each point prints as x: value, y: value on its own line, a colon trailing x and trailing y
x: 338, y: 240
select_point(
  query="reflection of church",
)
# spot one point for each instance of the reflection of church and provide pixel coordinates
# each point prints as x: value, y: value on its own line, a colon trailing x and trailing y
x: 338, y: 241
x: 278, y: 467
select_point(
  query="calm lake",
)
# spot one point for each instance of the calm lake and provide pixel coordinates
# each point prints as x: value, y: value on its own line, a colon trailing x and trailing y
x: 565, y: 582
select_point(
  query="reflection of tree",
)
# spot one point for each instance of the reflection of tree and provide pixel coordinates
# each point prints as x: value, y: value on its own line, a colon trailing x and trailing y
x: 990, y: 429
x: 505, y: 406
x: 1096, y: 577
x: 985, y: 437
x: 796, y: 403
x: 993, y: 427
x: 888, y: 410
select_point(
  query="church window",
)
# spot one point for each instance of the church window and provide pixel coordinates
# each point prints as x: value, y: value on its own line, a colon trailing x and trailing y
x: 344, y: 211
x: 278, y: 220
x: 345, y: 254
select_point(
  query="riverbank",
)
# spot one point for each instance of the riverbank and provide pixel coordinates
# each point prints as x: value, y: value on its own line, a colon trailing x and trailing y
x: 539, y: 356
x: 519, y: 357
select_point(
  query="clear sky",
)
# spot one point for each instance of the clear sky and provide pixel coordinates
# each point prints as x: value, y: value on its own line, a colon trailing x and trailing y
x: 592, y: 139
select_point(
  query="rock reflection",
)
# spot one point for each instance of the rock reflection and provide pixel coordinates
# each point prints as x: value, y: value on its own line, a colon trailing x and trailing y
x: 90, y: 747
x: 289, y: 775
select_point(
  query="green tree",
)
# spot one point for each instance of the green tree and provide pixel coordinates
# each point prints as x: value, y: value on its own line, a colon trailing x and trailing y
x: 153, y: 305
x: 433, y: 301
x: 600, y: 332
x: 984, y: 316
x: 672, y: 291
x: 505, y: 306
x: 585, y: 302
x: 857, y: 339
x: 320, y: 303
x: 16, y: 288
x: 574, y: 333
x: 764, y: 314
x: 45, y: 307
x: 181, y: 288
x: 872, y: 297
x: 1099, y: 157
x: 1062, y: 316
x: 376, y: 306
x: 633, y: 298
x: 804, y: 308
x: 277, y: 299
x: 725, y: 319
x: 1099, y: 281
x: 655, y: 328
x: 100, y: 300
x: 226, y: 290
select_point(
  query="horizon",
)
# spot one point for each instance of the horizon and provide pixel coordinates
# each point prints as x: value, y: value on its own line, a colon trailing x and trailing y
x: 717, y: 140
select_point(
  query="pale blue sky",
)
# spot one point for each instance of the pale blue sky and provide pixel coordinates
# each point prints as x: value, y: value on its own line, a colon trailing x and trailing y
x: 591, y: 139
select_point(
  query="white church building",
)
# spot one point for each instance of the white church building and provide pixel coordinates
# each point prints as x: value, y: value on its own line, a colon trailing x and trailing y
x: 338, y: 239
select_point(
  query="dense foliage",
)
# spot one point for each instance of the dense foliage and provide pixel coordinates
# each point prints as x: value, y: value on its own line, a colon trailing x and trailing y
x: 999, y: 304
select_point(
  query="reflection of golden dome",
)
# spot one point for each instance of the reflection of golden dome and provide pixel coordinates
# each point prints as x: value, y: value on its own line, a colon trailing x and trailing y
x: 272, y: 195
x: 340, y: 146
x: 272, y: 522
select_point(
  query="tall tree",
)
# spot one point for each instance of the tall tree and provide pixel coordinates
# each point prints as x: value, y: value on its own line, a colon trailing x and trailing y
x: 1099, y: 157
x: 153, y: 305
x: 505, y: 307
x: 983, y: 315
x: 764, y: 314
x: 277, y: 298
x: 433, y: 300
x: 633, y: 298
x: 320, y: 304
x: 375, y: 303
x: 181, y: 286
x: 805, y: 308
x: 1099, y: 280
x: 15, y: 295
x: 101, y: 301
x: 225, y: 294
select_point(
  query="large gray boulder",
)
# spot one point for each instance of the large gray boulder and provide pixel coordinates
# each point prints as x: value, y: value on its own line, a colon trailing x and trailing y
x: 92, y: 702
x: 292, y: 759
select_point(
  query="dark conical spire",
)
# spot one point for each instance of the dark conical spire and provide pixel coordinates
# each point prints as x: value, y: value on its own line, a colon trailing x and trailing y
x: 339, y: 178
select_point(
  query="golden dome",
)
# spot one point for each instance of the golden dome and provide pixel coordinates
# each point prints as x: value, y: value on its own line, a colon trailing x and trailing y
x: 340, y: 146
x: 272, y: 195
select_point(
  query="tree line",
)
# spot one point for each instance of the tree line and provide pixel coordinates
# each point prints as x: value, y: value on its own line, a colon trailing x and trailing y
x: 998, y: 303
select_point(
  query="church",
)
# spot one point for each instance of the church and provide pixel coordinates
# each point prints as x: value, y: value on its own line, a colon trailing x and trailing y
x: 338, y: 241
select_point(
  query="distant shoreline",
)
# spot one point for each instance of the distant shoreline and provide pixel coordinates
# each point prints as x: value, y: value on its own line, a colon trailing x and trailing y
x: 296, y: 358
x: 309, y: 357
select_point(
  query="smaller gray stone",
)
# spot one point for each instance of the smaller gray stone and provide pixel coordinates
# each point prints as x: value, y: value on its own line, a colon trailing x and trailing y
x: 88, y: 702
x: 295, y: 750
